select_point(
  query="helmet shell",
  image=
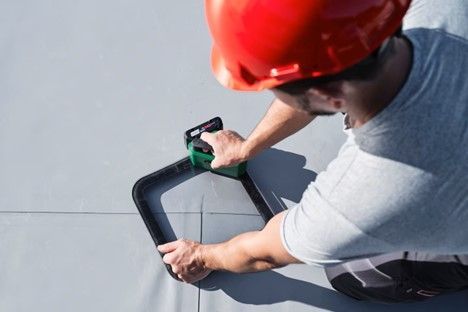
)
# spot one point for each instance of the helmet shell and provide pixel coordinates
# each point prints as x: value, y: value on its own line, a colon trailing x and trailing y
x: 260, y: 44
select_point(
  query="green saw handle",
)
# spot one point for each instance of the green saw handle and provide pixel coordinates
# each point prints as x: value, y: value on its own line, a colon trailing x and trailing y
x: 202, y: 159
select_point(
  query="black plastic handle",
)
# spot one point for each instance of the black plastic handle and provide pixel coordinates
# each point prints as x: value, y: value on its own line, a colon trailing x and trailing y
x: 201, y: 145
x: 170, y: 172
x: 211, y: 125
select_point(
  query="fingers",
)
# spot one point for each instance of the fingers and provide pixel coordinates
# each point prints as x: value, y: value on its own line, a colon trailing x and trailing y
x: 183, y: 258
x: 170, y: 250
x: 169, y: 247
x: 215, y: 163
x: 188, y: 278
x: 169, y: 259
x: 209, y: 138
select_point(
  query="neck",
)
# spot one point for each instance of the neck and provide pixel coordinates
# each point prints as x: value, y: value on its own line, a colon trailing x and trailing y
x: 369, y: 98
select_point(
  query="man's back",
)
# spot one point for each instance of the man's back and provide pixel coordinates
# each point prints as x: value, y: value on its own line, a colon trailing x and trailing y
x: 401, y: 180
x: 421, y: 144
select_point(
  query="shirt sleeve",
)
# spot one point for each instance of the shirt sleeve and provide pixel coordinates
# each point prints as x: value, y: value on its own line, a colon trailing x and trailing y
x: 314, y: 233
x: 322, y: 228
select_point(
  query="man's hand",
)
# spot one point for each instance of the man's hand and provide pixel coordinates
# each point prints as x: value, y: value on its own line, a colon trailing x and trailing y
x: 248, y: 252
x: 229, y: 148
x: 279, y: 122
x: 185, y: 258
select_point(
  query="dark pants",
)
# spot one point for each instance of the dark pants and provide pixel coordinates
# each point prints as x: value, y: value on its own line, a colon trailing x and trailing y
x: 400, y: 277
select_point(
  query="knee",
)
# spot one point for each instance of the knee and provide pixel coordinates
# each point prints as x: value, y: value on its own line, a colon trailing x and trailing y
x: 395, y: 290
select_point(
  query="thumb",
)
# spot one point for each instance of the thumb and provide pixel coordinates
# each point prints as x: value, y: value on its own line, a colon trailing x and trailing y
x: 169, y: 247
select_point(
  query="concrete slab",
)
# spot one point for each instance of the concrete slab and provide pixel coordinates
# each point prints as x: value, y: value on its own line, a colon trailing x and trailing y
x: 205, y: 192
x: 97, y: 95
x: 221, y: 227
x: 91, y: 262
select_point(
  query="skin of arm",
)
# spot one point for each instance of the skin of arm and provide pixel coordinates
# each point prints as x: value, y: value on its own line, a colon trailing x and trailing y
x: 280, y: 121
x: 248, y: 252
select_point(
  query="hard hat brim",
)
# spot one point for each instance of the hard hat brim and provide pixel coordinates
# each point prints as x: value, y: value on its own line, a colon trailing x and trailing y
x: 225, y: 77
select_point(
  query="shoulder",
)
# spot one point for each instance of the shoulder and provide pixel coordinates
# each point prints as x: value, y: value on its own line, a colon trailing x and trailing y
x: 448, y: 16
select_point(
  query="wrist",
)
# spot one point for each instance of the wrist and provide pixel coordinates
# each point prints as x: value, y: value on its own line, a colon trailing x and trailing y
x: 207, y: 256
x: 248, y: 149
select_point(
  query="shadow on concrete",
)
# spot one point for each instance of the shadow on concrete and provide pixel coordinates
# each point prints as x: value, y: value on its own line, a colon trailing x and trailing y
x: 280, y: 174
x: 270, y: 287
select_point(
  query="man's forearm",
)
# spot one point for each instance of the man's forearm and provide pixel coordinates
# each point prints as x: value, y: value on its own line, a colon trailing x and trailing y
x: 234, y: 256
x: 249, y: 252
x: 279, y: 122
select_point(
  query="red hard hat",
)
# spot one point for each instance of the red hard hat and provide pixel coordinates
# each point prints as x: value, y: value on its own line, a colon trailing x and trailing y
x: 261, y: 44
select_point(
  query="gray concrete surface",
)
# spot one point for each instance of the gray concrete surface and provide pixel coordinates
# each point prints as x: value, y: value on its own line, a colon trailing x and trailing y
x: 93, y: 96
x: 88, y: 262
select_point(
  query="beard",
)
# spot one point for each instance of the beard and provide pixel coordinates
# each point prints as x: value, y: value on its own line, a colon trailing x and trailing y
x: 304, y: 105
x: 320, y: 113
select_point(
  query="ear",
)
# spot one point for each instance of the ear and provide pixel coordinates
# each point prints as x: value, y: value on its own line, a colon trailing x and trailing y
x: 331, y: 94
x: 337, y: 103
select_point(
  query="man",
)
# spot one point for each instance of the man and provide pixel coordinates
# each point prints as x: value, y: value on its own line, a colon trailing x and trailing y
x: 388, y: 217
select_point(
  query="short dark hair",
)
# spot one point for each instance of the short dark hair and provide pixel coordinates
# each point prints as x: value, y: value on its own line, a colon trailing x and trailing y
x: 366, y: 69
